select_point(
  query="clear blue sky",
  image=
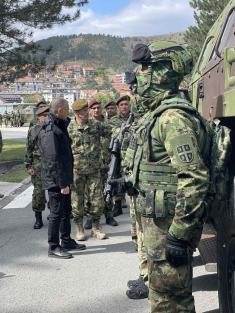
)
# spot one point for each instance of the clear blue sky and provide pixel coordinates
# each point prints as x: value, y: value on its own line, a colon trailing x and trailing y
x: 107, y: 6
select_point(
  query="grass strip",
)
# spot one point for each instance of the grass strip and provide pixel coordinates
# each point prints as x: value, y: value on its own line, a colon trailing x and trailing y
x: 16, y: 175
x: 13, y: 150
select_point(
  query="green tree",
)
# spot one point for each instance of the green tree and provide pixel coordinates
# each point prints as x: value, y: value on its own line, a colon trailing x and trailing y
x: 18, y: 20
x: 205, y: 14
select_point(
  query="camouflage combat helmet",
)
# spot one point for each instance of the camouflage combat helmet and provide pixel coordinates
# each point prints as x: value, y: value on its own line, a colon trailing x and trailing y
x: 162, y: 67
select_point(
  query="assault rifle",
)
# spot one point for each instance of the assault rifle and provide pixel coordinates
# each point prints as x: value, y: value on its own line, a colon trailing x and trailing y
x: 115, y: 183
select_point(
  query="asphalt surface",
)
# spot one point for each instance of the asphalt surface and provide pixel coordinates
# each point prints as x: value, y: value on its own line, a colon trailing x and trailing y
x: 94, y: 281
x: 16, y: 133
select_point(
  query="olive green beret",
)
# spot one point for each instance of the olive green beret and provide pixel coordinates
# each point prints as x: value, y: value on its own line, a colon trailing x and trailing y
x: 92, y: 102
x: 123, y: 98
x: 79, y: 104
x: 109, y: 103
x: 42, y: 110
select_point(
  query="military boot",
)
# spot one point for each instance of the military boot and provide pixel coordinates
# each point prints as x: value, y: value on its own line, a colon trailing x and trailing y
x: 117, y: 208
x: 96, y: 231
x: 134, y: 282
x: 88, y: 224
x: 38, y: 223
x: 138, y: 289
x: 80, y: 234
x: 111, y: 221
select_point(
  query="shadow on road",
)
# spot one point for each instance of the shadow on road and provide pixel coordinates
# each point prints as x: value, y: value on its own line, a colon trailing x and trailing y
x: 126, y: 247
x: 122, y: 233
x: 3, y: 275
x: 205, y: 283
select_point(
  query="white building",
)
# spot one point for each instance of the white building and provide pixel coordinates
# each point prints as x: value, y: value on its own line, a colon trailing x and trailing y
x: 70, y: 94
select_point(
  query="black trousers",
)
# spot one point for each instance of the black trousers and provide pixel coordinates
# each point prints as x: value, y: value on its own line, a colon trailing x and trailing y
x: 59, y: 218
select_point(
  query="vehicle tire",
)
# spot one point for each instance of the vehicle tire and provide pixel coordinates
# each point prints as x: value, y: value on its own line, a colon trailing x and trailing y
x: 226, y: 255
x: 226, y: 274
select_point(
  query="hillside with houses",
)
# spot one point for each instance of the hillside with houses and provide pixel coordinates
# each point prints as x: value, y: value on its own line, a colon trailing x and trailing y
x: 78, y: 67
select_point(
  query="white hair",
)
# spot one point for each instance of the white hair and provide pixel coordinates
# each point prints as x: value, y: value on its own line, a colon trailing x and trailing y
x: 58, y: 103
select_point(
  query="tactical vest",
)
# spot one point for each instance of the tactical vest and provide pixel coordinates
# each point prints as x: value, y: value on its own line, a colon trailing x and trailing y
x: 156, y: 182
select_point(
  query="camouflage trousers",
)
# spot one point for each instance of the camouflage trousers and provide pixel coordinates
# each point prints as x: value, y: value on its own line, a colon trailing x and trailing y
x: 170, y: 289
x: 38, y: 198
x: 137, y: 231
x: 108, y: 207
x: 87, y: 197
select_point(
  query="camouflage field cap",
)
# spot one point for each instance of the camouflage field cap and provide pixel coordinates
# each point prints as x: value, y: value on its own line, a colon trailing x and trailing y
x: 41, y: 103
x: 79, y: 104
x: 42, y: 110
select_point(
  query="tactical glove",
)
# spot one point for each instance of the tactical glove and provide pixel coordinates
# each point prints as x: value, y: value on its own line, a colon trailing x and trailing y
x: 176, y: 251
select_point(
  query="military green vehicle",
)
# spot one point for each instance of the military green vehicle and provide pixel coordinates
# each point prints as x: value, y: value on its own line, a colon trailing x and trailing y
x: 213, y: 94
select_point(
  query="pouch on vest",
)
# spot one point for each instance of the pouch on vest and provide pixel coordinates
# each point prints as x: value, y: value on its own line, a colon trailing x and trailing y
x: 153, y: 204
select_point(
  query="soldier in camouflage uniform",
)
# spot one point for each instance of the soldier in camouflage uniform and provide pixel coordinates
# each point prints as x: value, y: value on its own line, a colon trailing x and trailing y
x: 6, y: 118
x: 33, y: 165
x: 17, y: 118
x: 87, y: 193
x: 1, y: 119
x: 111, y: 109
x: 95, y: 112
x: 123, y: 108
x: 12, y: 119
x: 167, y: 155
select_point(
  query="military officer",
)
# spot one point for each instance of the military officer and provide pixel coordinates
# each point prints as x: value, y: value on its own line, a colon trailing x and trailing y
x: 168, y: 154
x: 111, y: 109
x: 87, y: 193
x: 123, y: 112
x: 95, y: 111
x: 33, y: 166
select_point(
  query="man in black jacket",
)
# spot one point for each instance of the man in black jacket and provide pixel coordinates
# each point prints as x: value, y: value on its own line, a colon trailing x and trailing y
x: 57, y: 176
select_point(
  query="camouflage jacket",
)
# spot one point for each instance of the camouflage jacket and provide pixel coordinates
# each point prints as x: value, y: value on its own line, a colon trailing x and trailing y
x: 117, y: 120
x: 86, y: 145
x: 105, y: 142
x: 32, y: 156
x: 167, y: 157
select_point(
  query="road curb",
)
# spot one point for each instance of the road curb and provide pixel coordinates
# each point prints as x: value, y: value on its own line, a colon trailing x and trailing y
x: 7, y: 199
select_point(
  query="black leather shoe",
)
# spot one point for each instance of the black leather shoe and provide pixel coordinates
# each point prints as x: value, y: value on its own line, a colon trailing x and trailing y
x: 88, y: 224
x: 38, y: 224
x: 138, y: 292
x: 59, y: 253
x: 72, y: 245
x: 111, y: 221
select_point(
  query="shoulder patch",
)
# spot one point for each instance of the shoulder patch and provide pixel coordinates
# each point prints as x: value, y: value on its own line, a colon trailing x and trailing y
x: 185, y: 153
x: 184, y: 150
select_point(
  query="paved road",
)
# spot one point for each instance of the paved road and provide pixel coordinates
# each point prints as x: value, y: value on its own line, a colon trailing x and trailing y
x: 17, y: 133
x: 94, y: 281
